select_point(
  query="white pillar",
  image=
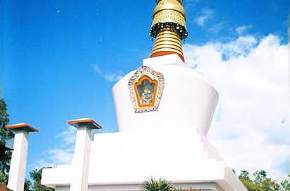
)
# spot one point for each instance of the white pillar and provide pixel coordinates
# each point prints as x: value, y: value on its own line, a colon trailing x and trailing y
x: 81, y: 158
x: 19, y: 156
x: 18, y: 162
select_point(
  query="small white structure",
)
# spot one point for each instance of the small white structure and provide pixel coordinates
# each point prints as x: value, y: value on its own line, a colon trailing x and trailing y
x: 19, y: 155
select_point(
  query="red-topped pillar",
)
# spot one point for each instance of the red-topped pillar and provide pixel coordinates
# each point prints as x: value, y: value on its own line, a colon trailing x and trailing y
x: 82, y: 152
x: 19, y: 156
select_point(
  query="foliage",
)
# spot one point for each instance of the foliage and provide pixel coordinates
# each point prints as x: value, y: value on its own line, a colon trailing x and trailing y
x: 259, y: 181
x: 2, y: 177
x: 158, y: 185
x: 3, y: 117
x: 36, y: 181
x: 285, y: 184
x: 5, y: 135
x: 27, y: 185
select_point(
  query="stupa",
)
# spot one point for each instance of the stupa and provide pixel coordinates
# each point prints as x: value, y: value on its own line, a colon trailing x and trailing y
x: 164, y: 111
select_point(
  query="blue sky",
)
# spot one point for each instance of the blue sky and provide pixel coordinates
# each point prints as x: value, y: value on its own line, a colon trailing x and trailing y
x: 60, y: 59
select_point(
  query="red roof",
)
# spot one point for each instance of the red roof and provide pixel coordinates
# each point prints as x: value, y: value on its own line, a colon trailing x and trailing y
x: 21, y: 126
x: 84, y: 122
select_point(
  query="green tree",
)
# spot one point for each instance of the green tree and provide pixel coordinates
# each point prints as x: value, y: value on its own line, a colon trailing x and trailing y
x: 158, y: 185
x: 246, y: 180
x: 27, y: 185
x: 264, y: 182
x: 5, y: 135
x: 285, y: 184
x: 36, y: 181
x: 259, y: 181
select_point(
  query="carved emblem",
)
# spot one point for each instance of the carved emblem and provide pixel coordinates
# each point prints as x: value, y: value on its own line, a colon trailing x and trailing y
x: 146, y: 88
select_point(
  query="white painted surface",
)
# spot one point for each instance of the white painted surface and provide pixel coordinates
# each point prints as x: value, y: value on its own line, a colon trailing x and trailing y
x: 80, y: 163
x: 18, y: 161
x: 170, y: 143
x: 139, y: 187
x: 188, y: 100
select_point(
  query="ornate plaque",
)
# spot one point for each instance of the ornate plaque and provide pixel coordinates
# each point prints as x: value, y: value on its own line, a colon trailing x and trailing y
x: 146, y: 88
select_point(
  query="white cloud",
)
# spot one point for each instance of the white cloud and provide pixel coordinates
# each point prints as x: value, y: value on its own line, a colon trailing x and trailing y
x: 217, y: 27
x: 63, y: 153
x: 250, y: 128
x: 110, y: 77
x: 205, y: 15
x: 242, y: 29
x: 68, y: 136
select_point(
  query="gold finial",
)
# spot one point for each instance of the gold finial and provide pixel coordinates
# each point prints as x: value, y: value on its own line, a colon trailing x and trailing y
x: 168, y: 28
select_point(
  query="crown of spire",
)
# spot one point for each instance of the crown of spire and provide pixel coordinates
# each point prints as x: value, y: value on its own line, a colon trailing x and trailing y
x: 168, y: 28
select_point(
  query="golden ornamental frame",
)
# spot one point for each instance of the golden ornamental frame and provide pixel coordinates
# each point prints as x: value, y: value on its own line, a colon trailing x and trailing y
x: 156, y: 79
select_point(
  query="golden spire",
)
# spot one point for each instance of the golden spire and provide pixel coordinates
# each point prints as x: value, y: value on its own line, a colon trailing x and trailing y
x: 168, y: 28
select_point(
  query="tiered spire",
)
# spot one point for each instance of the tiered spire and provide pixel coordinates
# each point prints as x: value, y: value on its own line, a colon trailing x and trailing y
x: 168, y: 28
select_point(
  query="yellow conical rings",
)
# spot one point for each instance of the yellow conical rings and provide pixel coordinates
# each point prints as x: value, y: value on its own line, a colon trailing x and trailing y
x: 167, y: 42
